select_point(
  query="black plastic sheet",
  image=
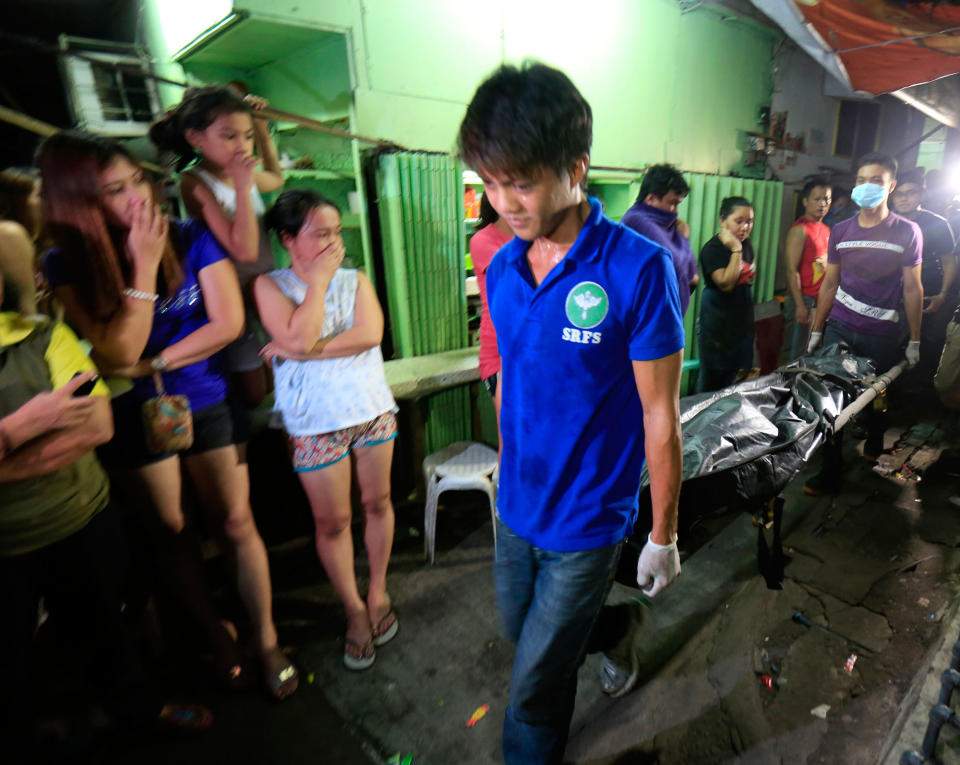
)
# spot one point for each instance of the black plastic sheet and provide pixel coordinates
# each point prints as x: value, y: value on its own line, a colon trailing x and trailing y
x: 742, y: 445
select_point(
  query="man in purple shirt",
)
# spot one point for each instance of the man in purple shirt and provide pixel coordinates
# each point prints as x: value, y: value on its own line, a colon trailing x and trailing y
x: 872, y: 281
x: 654, y: 215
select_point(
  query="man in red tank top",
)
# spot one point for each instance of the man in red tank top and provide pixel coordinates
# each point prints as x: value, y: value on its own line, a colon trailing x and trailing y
x: 807, y: 260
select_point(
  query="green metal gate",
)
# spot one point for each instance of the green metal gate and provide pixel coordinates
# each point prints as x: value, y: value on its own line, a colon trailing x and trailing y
x: 420, y: 201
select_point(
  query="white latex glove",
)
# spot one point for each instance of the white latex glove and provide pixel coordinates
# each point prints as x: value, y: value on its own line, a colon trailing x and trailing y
x: 658, y: 566
x: 814, y: 342
x: 913, y: 353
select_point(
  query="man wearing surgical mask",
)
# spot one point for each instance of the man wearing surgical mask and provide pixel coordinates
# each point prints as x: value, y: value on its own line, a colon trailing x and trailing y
x: 871, y: 284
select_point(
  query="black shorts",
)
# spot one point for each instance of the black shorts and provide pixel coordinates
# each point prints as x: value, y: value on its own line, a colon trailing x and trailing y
x: 490, y: 383
x: 214, y: 426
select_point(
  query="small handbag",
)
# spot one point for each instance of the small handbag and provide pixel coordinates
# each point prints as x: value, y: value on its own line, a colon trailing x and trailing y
x: 167, y: 421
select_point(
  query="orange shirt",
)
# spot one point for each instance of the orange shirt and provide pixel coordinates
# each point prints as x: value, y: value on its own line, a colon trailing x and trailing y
x: 813, y: 263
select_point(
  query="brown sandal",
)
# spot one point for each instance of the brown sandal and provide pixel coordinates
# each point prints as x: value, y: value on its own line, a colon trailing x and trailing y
x: 279, y: 674
x: 362, y: 656
x: 386, y: 629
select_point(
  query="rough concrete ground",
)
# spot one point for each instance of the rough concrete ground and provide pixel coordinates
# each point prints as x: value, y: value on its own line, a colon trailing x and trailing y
x: 877, y: 564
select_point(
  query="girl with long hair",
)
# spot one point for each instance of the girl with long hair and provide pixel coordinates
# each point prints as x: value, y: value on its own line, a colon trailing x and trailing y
x: 159, y: 297
x: 213, y: 133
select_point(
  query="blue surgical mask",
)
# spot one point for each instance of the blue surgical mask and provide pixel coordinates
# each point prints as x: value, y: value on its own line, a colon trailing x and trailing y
x: 869, y: 195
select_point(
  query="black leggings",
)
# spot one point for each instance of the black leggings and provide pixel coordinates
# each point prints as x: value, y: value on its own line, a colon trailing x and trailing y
x: 79, y: 578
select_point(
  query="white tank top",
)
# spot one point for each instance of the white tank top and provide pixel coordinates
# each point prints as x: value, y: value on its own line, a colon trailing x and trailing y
x: 324, y: 395
x: 227, y: 197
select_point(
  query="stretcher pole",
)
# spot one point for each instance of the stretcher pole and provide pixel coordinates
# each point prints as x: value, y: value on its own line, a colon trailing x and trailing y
x: 878, y: 388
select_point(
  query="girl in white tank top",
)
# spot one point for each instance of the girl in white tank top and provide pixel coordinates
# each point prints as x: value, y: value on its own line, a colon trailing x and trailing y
x: 218, y: 127
x: 337, y: 408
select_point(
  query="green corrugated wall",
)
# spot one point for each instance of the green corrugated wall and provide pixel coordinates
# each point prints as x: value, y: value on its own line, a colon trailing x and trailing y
x: 420, y: 200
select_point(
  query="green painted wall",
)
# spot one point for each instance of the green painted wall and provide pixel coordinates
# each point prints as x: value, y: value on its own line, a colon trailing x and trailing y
x: 663, y: 85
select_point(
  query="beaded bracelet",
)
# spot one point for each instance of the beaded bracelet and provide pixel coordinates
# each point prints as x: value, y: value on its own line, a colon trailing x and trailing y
x: 141, y: 295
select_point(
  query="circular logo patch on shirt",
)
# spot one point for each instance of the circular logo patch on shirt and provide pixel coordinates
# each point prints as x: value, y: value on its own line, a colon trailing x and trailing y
x: 587, y: 305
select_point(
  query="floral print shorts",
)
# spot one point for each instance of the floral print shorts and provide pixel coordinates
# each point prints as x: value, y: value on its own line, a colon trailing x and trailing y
x: 315, y: 452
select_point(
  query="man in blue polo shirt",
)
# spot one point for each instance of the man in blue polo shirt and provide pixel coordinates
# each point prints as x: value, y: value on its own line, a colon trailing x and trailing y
x: 589, y: 329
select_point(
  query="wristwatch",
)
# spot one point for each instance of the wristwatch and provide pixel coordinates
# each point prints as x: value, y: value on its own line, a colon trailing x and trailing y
x: 158, y: 363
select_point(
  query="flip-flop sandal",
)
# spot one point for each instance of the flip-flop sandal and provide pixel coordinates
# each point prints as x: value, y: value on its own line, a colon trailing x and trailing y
x: 386, y: 629
x: 279, y: 674
x: 362, y: 660
x: 229, y: 665
x: 185, y: 718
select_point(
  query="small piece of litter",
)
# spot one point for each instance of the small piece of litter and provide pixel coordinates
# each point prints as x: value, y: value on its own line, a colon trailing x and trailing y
x: 820, y: 711
x: 400, y: 759
x: 767, y: 681
x: 923, y: 602
x: 477, y: 716
x: 849, y: 664
x: 310, y: 679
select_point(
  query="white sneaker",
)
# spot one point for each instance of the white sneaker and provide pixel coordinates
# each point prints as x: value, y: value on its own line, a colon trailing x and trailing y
x: 620, y: 667
x: 617, y: 681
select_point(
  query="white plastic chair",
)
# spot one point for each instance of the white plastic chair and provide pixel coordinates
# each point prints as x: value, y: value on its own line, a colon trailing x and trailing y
x: 461, y: 466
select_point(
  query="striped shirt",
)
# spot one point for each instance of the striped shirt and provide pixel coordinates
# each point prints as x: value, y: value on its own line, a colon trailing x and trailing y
x: 870, y: 296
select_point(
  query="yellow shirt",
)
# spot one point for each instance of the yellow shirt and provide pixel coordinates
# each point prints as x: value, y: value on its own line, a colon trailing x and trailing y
x: 37, y: 356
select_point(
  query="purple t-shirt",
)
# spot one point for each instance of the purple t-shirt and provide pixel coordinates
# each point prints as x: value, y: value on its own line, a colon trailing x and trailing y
x: 871, y: 262
x: 660, y: 227
x: 174, y: 317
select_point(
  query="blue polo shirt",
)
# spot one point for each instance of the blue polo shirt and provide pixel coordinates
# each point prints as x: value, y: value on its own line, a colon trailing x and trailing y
x: 570, y: 418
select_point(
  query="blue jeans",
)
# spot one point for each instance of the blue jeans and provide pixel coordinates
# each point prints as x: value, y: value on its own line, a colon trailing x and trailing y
x: 548, y: 603
x: 710, y: 379
x: 801, y: 332
x: 885, y: 350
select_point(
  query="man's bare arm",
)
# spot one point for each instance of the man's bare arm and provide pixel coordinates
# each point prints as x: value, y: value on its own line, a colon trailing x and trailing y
x: 658, y: 383
x: 794, y: 252
x: 913, y: 300
x: 59, y: 448
x: 828, y: 293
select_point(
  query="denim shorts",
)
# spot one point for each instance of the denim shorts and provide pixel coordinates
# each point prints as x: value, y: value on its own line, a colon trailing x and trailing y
x: 243, y: 354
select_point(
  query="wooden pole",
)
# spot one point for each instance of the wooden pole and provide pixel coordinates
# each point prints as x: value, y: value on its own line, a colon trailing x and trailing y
x: 26, y: 122
x: 274, y: 114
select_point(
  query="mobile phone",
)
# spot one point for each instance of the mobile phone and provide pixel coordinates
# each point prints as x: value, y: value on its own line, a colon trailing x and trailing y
x: 87, y: 388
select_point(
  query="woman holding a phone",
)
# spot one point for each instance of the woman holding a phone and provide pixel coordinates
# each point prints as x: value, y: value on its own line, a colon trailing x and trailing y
x: 157, y: 298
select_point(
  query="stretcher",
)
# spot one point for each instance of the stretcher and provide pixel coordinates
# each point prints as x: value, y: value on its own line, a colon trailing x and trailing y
x: 744, y: 444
